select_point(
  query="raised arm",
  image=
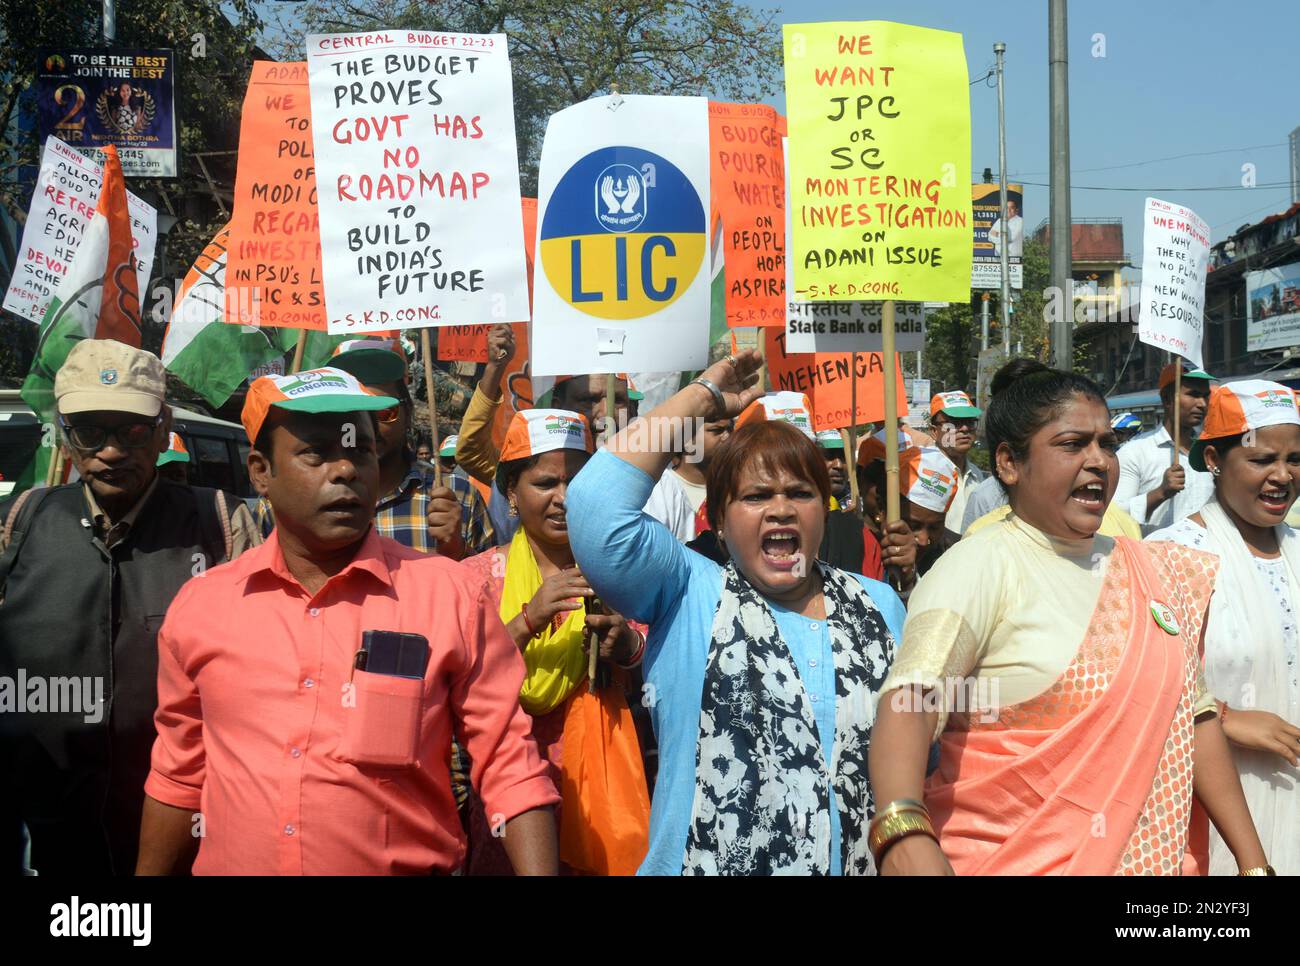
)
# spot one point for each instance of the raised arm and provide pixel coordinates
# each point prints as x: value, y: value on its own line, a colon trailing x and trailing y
x: 644, y: 447
x: 632, y: 560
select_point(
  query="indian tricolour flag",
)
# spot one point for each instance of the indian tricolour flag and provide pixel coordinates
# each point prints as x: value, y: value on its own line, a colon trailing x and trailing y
x: 99, y: 298
x: 214, y: 357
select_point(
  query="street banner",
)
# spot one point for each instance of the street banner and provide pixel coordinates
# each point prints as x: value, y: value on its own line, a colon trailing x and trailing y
x: 275, y: 252
x: 1273, y: 308
x: 919, y: 392
x: 879, y: 130
x: 748, y: 186
x: 853, y: 327
x: 824, y: 377
x: 63, y: 204
x: 623, y: 237
x: 1175, y: 253
x: 463, y: 343
x: 846, y: 326
x: 990, y: 234
x: 88, y: 97
x: 418, y: 176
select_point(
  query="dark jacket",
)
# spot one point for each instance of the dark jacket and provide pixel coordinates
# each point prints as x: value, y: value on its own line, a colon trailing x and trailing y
x: 72, y: 608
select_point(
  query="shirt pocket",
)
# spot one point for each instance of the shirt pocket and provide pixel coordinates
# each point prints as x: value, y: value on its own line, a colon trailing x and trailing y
x: 381, y: 727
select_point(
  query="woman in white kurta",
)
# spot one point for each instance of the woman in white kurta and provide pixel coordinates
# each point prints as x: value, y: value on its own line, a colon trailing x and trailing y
x: 1251, y: 446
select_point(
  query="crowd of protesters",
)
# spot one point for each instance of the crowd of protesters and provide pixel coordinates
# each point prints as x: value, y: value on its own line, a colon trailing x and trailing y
x: 685, y: 641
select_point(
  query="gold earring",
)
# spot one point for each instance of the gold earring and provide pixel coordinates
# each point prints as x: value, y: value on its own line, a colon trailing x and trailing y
x: 514, y: 510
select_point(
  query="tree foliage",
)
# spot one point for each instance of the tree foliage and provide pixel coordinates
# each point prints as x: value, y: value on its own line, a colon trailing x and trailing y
x: 214, y: 46
x: 952, y: 341
x: 562, y: 52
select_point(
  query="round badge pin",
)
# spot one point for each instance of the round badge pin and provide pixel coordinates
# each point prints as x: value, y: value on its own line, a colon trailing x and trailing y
x: 1164, y: 617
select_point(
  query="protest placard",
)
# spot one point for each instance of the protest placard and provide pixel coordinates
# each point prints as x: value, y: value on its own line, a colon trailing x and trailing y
x: 879, y: 125
x: 623, y: 237
x: 463, y: 343
x: 747, y: 178
x: 275, y: 252
x: 63, y: 203
x: 825, y: 378
x: 419, y: 182
x: 1175, y: 253
x: 853, y: 326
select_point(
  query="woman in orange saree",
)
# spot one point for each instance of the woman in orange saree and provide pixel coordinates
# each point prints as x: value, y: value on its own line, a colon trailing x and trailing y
x: 585, y: 733
x: 1059, y: 671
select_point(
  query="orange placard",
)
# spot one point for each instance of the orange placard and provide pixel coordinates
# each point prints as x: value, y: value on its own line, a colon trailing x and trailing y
x: 518, y: 388
x: 824, y: 378
x: 274, y: 270
x: 463, y: 343
x: 747, y: 174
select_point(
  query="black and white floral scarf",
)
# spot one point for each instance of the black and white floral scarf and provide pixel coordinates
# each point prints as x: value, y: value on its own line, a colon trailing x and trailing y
x: 762, y: 792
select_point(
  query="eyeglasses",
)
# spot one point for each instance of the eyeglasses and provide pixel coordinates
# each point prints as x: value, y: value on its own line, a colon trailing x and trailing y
x: 389, y: 415
x: 92, y: 438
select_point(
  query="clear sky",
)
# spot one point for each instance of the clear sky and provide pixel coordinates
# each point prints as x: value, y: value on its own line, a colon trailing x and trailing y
x: 1214, y: 80
x: 1178, y: 77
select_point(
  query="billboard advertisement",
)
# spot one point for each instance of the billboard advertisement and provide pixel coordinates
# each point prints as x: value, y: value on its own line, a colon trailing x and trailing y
x: 1273, y: 308
x: 990, y: 235
x: 87, y: 97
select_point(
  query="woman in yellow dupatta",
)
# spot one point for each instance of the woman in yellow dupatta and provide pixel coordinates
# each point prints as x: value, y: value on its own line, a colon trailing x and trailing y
x: 1059, y: 671
x: 543, y: 601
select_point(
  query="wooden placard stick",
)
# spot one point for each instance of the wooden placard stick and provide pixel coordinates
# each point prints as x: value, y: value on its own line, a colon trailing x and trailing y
x: 891, y: 413
x: 427, y: 353
x: 1178, y: 398
x: 298, y: 348
x: 849, y: 436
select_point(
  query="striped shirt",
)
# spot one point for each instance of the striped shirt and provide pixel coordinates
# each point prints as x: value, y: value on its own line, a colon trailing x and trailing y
x: 402, y: 514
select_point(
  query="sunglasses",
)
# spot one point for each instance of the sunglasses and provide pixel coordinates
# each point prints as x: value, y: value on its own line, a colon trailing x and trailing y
x: 389, y: 415
x: 91, y: 438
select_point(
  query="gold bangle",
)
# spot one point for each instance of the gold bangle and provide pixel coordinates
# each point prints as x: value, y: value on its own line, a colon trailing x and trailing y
x: 1258, y: 870
x: 893, y: 828
x: 900, y: 806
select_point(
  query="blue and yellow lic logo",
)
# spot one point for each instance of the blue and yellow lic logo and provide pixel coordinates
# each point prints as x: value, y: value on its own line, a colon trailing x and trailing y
x: 624, y: 234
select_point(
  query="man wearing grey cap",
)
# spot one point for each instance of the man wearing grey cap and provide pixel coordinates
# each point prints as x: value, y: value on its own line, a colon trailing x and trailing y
x: 87, y: 572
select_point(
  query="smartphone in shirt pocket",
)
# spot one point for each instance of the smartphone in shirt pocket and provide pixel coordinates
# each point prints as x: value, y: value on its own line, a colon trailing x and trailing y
x: 382, y: 724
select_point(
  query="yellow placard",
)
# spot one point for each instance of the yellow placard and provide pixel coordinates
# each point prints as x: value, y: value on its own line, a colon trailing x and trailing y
x: 879, y: 127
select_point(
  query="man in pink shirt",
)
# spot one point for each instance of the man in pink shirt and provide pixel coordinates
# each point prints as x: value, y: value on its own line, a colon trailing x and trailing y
x: 277, y: 753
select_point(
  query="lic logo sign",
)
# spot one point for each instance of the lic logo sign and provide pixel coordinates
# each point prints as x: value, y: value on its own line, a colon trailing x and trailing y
x: 624, y: 234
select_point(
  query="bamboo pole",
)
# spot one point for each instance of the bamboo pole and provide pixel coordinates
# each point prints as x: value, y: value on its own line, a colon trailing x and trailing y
x: 851, y: 460
x: 427, y: 353
x: 297, y: 351
x: 891, y: 415
x: 593, y: 654
x: 1178, y: 398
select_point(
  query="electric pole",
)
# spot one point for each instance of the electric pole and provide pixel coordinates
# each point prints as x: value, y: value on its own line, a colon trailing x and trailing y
x: 1058, y: 63
x: 998, y: 50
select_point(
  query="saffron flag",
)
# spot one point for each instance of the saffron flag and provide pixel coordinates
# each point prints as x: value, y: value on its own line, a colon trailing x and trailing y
x: 97, y: 299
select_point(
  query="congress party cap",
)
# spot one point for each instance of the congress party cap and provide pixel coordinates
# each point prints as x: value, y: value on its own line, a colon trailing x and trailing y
x: 927, y: 478
x: 323, y: 390
x: 1238, y: 407
x: 790, y: 407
